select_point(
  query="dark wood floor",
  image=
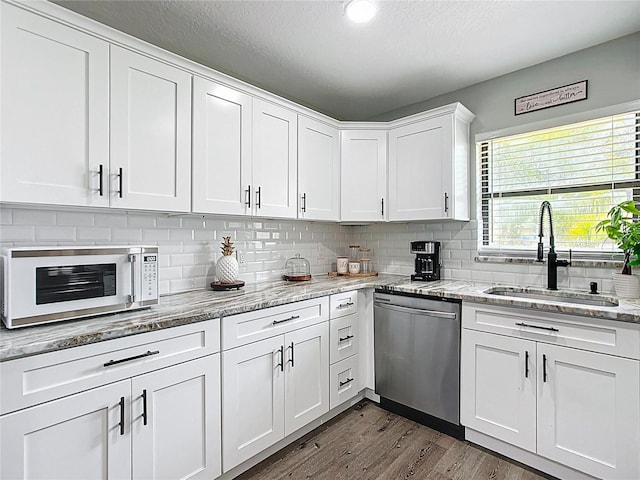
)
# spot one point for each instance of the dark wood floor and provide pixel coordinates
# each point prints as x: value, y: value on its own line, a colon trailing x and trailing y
x: 367, y: 443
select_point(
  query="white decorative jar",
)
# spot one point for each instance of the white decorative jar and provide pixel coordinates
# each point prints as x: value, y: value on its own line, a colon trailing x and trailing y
x: 626, y: 286
x: 227, y: 269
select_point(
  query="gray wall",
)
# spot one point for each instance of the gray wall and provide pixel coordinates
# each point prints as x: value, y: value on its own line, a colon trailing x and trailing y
x: 612, y: 69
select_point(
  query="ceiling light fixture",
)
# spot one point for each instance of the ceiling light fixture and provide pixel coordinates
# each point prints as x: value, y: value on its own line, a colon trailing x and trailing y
x: 360, y: 11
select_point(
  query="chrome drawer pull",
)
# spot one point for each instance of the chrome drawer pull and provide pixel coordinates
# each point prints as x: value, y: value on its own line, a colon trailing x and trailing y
x: 342, y: 339
x: 347, y: 381
x: 293, y: 317
x: 551, y: 329
x: 136, y: 357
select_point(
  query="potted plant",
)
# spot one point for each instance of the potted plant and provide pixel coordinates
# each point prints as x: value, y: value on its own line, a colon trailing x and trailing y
x: 623, y: 227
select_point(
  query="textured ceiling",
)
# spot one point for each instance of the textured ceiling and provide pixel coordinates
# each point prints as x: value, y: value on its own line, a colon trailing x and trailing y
x: 309, y: 52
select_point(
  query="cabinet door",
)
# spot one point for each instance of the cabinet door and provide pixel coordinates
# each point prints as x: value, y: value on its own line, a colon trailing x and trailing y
x: 498, y: 387
x: 176, y: 421
x: 221, y: 149
x: 150, y: 133
x: 588, y: 411
x: 420, y: 170
x: 252, y: 399
x: 318, y: 170
x: 363, y: 175
x: 75, y: 437
x: 55, y: 112
x: 307, y: 376
x: 275, y: 171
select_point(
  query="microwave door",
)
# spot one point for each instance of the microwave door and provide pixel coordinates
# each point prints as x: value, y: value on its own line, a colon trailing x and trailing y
x: 77, y: 283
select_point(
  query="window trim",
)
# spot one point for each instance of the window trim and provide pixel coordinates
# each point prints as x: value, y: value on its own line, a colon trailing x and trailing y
x: 485, y: 251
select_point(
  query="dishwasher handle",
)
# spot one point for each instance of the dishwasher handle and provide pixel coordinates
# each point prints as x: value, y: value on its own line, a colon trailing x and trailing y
x: 417, y: 311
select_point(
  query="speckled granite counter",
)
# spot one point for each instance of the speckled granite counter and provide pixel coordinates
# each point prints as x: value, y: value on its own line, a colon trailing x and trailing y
x: 180, y: 309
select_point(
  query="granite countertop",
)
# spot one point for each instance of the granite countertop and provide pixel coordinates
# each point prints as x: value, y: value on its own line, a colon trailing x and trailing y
x: 196, y: 306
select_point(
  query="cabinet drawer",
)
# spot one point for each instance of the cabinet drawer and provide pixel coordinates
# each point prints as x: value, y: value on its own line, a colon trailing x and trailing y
x: 344, y: 304
x: 344, y: 380
x: 344, y: 337
x: 250, y: 327
x: 40, y: 378
x: 588, y: 333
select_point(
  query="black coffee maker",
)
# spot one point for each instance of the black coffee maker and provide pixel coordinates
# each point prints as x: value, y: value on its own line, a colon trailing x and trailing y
x: 427, y: 260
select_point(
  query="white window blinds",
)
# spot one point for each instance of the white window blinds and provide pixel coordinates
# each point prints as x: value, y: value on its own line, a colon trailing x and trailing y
x: 583, y: 169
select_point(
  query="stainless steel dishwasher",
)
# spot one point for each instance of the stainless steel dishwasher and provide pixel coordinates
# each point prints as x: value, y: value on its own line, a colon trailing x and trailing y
x: 417, y: 358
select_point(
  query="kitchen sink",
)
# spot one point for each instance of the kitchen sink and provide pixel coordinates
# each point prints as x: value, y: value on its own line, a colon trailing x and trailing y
x: 562, y: 296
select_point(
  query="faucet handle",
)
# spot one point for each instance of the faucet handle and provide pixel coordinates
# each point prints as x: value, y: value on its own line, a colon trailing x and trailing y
x: 540, y: 252
x: 564, y: 263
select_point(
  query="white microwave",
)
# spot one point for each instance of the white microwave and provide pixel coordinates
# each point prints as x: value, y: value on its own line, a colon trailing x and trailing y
x: 50, y: 284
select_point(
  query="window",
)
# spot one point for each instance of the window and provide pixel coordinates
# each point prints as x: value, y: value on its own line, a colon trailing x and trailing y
x: 582, y: 169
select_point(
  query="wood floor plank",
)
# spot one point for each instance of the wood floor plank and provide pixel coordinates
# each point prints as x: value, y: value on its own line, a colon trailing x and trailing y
x: 369, y: 443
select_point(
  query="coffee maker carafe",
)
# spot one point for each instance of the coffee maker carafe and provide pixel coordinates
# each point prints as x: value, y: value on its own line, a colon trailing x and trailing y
x: 427, y: 263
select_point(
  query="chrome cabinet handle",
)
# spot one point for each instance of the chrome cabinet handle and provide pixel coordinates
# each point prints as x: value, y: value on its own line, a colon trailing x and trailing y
x: 342, y: 339
x: 121, y: 416
x: 544, y: 368
x: 304, y: 202
x: 526, y: 364
x: 347, y: 381
x: 144, y: 406
x: 446, y: 202
x: 382, y: 207
x: 551, y: 329
x: 259, y: 197
x: 293, y: 317
x: 248, y: 196
x: 128, y: 359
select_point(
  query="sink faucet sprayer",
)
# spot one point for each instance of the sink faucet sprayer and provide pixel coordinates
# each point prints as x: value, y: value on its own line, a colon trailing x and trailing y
x: 552, y: 258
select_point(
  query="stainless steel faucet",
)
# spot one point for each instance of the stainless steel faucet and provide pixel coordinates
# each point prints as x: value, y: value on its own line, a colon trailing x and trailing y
x: 552, y: 258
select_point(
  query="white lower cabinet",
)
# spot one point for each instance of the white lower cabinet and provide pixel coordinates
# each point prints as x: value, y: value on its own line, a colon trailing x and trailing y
x: 271, y: 388
x: 76, y: 437
x: 498, y: 387
x: 102, y: 433
x: 109, y: 410
x: 344, y: 373
x: 175, y: 421
x: 576, y: 407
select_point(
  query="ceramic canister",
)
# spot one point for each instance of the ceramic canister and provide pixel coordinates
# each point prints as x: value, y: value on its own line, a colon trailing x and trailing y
x: 342, y: 264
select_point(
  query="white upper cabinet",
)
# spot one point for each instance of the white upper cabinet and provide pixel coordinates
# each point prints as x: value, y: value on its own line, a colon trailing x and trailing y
x: 429, y: 164
x: 221, y: 149
x: 150, y: 133
x: 54, y: 133
x: 274, y: 172
x: 363, y: 175
x: 318, y: 170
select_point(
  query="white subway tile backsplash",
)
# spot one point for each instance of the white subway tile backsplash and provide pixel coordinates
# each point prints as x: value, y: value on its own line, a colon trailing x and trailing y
x: 190, y: 245
x: 55, y: 234
x: 93, y: 234
x: 110, y: 219
x: 33, y: 217
x: 126, y: 235
x: 17, y: 233
x: 76, y: 219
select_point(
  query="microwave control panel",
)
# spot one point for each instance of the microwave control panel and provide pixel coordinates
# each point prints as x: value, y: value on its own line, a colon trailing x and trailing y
x: 149, y: 277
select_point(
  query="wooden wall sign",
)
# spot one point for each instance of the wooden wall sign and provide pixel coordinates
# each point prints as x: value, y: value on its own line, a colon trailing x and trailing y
x: 551, y: 98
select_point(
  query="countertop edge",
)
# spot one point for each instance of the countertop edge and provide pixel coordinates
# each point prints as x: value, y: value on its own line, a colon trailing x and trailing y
x: 202, y: 305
